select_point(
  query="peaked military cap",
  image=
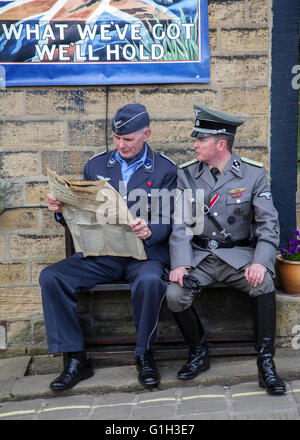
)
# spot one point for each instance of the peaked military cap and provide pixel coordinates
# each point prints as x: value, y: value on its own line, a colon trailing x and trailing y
x: 130, y: 118
x: 210, y: 122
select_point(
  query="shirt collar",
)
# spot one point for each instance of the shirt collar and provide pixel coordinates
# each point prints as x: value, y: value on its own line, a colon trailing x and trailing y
x: 138, y: 159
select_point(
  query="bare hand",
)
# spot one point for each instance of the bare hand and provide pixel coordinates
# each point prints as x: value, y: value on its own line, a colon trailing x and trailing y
x: 53, y: 204
x: 176, y: 275
x: 141, y: 228
x: 255, y: 274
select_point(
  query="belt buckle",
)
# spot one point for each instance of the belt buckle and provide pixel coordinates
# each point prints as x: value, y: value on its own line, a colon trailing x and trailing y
x: 213, y: 244
x: 205, y: 209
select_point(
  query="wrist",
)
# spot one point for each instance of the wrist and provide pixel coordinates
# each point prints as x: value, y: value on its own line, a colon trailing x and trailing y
x: 149, y: 233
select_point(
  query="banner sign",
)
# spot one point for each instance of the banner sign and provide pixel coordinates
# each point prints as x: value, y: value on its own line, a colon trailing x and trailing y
x: 65, y: 42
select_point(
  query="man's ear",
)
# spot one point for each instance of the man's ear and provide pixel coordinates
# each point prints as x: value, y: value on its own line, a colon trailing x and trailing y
x: 222, y: 145
x: 147, y: 134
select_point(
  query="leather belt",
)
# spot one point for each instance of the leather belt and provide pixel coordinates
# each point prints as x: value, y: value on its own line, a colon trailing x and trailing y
x: 207, y: 243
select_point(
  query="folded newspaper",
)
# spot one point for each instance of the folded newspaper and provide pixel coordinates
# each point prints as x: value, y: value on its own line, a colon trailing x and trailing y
x: 97, y: 216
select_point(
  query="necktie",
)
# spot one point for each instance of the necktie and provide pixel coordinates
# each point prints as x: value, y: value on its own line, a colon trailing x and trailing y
x: 214, y: 172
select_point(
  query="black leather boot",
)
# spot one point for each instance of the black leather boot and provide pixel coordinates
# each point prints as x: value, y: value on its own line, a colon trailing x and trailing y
x: 193, y: 333
x: 265, y: 329
x: 148, y: 374
x: 77, y: 367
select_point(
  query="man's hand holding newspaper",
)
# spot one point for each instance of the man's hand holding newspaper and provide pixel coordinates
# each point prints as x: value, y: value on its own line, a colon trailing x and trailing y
x: 98, y: 218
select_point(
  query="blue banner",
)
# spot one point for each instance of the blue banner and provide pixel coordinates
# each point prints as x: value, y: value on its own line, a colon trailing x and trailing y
x: 81, y: 42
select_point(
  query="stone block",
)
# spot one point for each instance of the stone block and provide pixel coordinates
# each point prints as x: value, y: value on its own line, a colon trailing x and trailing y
x: 170, y: 132
x: 254, y: 131
x: 70, y: 101
x: 65, y: 163
x: 30, y: 134
x: 213, y: 40
x: 120, y: 96
x: 39, y: 333
x: 15, y: 195
x: 209, y: 404
x: 86, y: 133
x: 288, y: 316
x: 240, y: 68
x: 55, y: 101
x: 245, y: 39
x: 46, y: 247
x: 169, y: 103
x: 49, y: 224
x: 20, y: 302
x: 95, y: 101
x: 229, y: 11
x: 2, y: 246
x: 36, y: 269
x: 19, y: 218
x: 19, y: 333
x: 2, y: 335
x: 259, y: 11
x: 36, y: 192
x: 12, y: 273
x: 19, y: 164
x: 154, y: 413
x: 246, y: 100
x: 11, y: 102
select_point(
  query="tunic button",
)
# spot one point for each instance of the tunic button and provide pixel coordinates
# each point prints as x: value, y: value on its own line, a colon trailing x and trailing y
x: 215, y: 214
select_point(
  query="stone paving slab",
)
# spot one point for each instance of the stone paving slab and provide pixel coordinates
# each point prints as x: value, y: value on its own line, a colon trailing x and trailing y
x: 238, y: 402
x: 11, y: 369
x: 224, y: 371
x: 228, y: 391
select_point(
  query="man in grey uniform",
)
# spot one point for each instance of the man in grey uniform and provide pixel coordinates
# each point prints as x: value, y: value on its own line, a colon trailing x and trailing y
x: 236, y: 197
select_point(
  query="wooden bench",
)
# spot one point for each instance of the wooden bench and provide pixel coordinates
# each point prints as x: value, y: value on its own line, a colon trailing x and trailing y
x: 171, y: 343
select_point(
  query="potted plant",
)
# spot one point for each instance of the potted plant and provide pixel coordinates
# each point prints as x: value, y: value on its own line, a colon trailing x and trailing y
x: 288, y: 265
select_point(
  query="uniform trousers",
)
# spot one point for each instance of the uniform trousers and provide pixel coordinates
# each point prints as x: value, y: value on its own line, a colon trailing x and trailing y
x: 213, y: 269
x: 61, y: 282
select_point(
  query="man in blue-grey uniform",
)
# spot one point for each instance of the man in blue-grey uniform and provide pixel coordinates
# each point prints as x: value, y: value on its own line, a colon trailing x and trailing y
x: 130, y: 166
x: 231, y: 199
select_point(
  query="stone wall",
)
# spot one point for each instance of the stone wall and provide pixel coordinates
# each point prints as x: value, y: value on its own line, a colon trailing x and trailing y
x: 64, y: 126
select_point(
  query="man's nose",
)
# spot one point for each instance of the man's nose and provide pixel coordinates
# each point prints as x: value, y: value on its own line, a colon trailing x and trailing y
x: 121, y: 143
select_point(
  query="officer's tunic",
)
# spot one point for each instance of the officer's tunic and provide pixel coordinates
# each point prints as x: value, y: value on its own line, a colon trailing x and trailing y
x: 61, y: 281
x: 239, y: 198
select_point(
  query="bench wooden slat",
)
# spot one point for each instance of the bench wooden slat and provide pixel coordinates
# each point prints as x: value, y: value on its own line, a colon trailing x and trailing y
x: 167, y: 339
x: 108, y: 287
x: 170, y: 352
x: 123, y: 285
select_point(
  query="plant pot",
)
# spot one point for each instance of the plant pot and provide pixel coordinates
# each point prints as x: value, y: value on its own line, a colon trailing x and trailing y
x: 289, y: 273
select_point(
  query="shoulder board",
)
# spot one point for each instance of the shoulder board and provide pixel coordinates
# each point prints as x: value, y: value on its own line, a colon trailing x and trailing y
x: 187, y: 164
x: 99, y: 154
x: 166, y: 157
x: 252, y: 162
